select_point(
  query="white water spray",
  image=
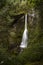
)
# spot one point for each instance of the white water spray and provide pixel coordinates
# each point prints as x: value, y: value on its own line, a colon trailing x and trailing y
x: 25, y: 35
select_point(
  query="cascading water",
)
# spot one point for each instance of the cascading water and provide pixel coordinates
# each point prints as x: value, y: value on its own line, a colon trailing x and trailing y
x: 25, y: 35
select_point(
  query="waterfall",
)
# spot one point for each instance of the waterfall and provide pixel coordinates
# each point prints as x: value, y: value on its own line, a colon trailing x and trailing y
x: 26, y: 21
x: 25, y: 35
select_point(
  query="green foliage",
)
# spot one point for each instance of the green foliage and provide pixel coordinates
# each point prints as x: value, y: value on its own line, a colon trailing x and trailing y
x: 11, y: 35
x: 2, y: 3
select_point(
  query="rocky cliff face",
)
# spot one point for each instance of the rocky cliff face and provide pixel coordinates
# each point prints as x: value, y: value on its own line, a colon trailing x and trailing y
x: 12, y: 28
x: 17, y: 28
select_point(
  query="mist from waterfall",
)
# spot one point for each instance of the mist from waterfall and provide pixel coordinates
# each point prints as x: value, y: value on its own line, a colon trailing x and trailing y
x: 25, y: 35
